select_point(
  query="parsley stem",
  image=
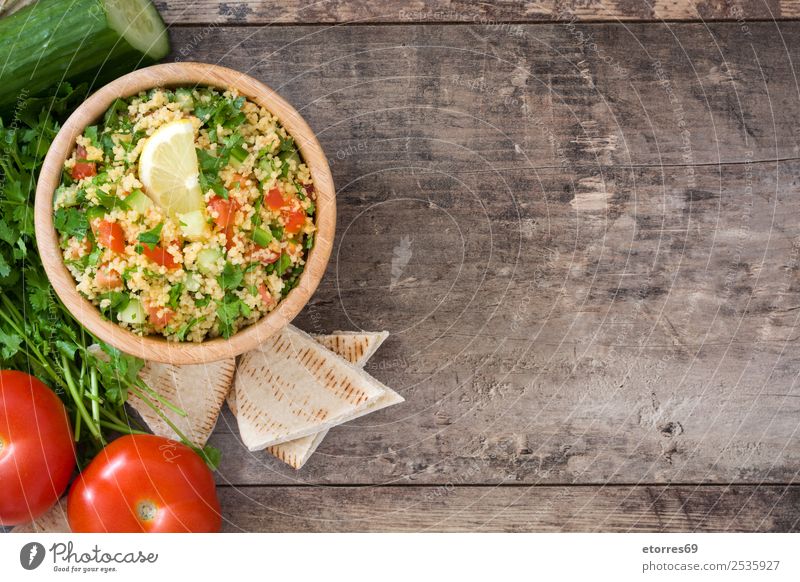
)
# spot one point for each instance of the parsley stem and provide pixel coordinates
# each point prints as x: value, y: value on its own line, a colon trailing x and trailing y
x: 95, y: 389
x: 163, y: 416
x: 120, y: 428
x: 142, y: 386
x: 76, y: 397
x: 77, y: 427
x: 31, y: 345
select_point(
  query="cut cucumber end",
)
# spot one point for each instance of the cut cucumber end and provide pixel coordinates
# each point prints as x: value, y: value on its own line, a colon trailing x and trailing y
x: 138, y: 22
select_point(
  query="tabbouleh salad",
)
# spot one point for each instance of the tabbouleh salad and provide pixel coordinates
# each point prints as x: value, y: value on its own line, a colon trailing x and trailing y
x: 187, y: 213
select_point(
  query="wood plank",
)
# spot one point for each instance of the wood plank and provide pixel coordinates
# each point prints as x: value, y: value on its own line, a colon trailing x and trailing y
x: 485, y: 13
x: 651, y: 341
x: 452, y: 508
x: 458, y: 99
x: 578, y: 304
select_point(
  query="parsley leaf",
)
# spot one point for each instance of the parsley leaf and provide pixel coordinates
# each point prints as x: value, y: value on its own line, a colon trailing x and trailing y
x: 152, y: 237
x: 71, y: 222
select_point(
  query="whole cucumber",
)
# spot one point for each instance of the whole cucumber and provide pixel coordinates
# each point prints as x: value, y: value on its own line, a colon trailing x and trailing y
x: 53, y: 41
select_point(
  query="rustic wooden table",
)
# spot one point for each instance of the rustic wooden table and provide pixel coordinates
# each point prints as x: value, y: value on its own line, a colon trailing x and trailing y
x: 579, y: 222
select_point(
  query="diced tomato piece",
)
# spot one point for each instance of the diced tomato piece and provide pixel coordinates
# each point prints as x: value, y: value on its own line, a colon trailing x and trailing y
x: 83, y: 170
x: 224, y: 209
x: 160, y: 256
x: 240, y: 179
x: 265, y: 295
x: 107, y: 278
x: 294, y: 220
x: 159, y: 316
x: 274, y: 199
x: 264, y: 256
x: 109, y: 234
x: 229, y: 237
x: 81, y: 249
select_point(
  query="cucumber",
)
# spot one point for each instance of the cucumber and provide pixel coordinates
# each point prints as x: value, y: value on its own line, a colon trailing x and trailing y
x: 65, y: 196
x: 192, y: 283
x: 238, y: 156
x: 261, y: 237
x: 50, y: 42
x: 193, y: 225
x: 208, y: 261
x: 184, y: 97
x: 133, y: 312
x: 139, y: 201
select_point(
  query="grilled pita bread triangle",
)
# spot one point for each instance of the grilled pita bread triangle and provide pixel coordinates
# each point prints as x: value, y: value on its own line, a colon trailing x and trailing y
x: 295, y: 453
x: 53, y: 521
x: 199, y: 390
x: 357, y: 347
x: 291, y: 387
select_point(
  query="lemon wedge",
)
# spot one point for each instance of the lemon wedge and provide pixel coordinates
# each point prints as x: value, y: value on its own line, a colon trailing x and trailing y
x: 168, y: 169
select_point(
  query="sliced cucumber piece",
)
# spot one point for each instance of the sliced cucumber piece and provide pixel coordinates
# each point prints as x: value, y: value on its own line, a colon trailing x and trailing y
x: 139, y: 201
x: 133, y: 312
x: 95, y: 213
x: 66, y: 196
x: 261, y: 237
x: 238, y: 156
x: 208, y: 261
x: 138, y: 22
x: 192, y: 283
x: 194, y: 226
x: 184, y: 97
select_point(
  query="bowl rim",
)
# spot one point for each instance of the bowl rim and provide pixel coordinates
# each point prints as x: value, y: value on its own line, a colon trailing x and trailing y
x: 158, y: 348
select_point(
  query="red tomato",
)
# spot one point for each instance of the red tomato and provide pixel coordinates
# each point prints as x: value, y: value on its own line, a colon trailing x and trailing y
x: 107, y: 278
x: 109, y: 234
x: 229, y: 237
x: 37, y: 455
x: 83, y: 170
x: 264, y: 256
x: 238, y: 178
x: 160, y: 256
x: 294, y: 220
x: 160, y: 316
x: 274, y: 199
x: 265, y: 295
x: 80, y: 250
x: 144, y: 483
x: 224, y: 209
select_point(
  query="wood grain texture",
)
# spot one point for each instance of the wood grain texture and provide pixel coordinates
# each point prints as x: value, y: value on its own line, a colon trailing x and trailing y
x: 587, y: 257
x: 511, y: 509
x: 184, y: 12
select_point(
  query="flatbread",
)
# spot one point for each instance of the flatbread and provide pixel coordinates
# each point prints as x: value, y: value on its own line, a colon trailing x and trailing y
x: 290, y: 387
x: 295, y: 453
x: 198, y: 389
x: 355, y: 347
x: 53, y: 521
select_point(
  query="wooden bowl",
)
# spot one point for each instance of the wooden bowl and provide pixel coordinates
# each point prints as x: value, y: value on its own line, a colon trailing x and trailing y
x: 156, y: 347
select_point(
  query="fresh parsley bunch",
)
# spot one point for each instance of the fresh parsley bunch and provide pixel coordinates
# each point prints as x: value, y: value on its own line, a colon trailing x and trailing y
x: 38, y: 335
